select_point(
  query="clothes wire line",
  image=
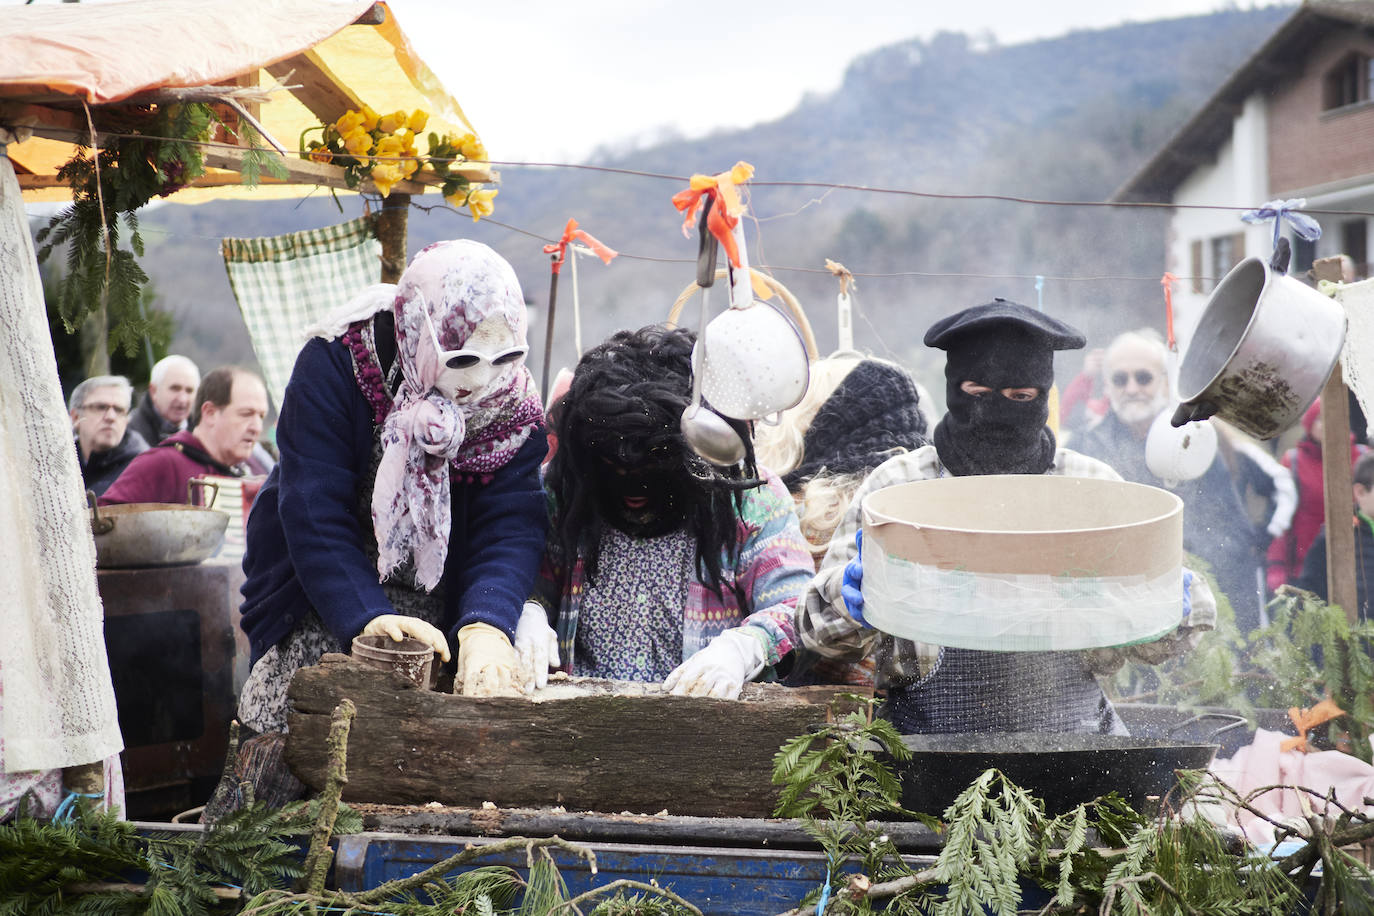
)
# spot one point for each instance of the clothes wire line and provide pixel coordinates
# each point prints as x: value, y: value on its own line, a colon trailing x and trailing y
x: 762, y: 183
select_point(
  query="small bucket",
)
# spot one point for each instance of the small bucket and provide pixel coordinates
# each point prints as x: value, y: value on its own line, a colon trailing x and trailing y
x: 1261, y: 352
x: 410, y: 658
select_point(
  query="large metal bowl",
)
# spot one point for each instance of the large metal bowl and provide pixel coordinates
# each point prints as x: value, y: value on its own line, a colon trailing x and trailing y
x: 155, y: 534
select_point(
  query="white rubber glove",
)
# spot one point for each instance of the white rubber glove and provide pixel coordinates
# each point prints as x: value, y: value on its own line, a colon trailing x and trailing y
x: 536, y: 647
x: 399, y: 626
x: 486, y: 662
x: 720, y: 669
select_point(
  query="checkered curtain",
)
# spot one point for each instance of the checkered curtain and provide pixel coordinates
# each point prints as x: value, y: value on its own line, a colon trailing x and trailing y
x: 287, y: 283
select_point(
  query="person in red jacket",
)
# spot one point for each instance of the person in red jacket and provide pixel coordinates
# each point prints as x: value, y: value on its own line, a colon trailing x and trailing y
x: 1286, y: 552
x: 226, y: 421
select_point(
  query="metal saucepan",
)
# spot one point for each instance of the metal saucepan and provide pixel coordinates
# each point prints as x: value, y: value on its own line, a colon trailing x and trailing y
x: 1061, y: 770
x: 1261, y: 352
x: 154, y: 534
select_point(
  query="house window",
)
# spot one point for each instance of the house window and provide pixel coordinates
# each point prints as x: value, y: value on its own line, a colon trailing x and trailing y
x: 1304, y: 253
x: 1348, y: 82
x: 1227, y: 252
x: 1212, y: 258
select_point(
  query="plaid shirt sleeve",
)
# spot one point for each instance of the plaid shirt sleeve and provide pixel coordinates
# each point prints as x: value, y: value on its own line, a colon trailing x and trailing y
x: 823, y: 623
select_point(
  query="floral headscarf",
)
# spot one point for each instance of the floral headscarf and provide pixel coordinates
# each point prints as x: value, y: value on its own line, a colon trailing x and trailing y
x: 426, y: 436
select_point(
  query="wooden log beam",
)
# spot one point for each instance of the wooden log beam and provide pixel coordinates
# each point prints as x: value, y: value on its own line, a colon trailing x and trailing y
x: 306, y: 171
x: 391, y: 232
x: 583, y: 749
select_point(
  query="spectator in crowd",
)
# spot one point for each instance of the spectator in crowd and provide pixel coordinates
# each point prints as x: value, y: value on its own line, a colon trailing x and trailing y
x: 1216, y: 526
x: 105, y: 441
x: 1313, y: 577
x: 1287, y: 553
x: 1084, y: 402
x: 166, y: 405
x: 226, y: 421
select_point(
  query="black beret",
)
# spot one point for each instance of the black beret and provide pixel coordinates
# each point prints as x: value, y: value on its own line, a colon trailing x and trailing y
x: 1003, y: 314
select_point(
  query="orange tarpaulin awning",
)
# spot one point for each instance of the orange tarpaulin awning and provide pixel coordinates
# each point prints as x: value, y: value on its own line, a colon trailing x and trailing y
x: 55, y: 60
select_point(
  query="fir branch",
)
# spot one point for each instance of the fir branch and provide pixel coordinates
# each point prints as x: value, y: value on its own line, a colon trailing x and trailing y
x: 438, y: 870
x: 623, y: 883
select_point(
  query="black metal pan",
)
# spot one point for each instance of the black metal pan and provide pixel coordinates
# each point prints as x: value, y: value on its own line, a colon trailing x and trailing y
x: 1061, y: 770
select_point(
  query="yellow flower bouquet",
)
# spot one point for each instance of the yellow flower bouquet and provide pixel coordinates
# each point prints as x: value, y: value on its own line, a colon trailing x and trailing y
x: 382, y: 148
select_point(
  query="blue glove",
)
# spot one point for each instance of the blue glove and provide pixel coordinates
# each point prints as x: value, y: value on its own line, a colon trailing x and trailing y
x: 851, y: 587
x: 1187, y: 593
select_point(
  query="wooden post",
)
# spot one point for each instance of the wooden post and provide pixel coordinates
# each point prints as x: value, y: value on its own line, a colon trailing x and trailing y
x: 1336, y: 477
x: 391, y: 231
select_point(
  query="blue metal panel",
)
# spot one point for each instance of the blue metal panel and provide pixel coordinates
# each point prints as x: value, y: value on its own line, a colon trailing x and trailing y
x: 725, y: 881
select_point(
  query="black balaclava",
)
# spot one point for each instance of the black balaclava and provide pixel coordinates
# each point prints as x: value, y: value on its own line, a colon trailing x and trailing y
x: 999, y: 345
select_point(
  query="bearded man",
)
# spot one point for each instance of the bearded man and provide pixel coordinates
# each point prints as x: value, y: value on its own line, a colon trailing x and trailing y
x: 1216, y: 526
x: 659, y: 567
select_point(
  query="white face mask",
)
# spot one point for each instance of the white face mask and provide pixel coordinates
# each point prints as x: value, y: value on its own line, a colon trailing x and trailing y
x: 486, y: 362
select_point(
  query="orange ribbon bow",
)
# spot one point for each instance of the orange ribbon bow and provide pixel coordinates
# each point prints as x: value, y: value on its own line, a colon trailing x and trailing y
x: 1304, y: 720
x: 571, y: 232
x: 726, y: 209
x: 1168, y: 282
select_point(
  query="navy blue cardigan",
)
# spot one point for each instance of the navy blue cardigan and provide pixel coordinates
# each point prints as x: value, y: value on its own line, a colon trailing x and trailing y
x: 305, y: 548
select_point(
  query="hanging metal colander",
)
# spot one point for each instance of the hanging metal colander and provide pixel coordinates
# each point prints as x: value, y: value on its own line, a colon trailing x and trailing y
x: 757, y: 361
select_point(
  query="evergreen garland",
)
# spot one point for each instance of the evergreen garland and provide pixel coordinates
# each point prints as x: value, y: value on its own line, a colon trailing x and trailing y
x: 1308, y: 652
x: 157, y: 152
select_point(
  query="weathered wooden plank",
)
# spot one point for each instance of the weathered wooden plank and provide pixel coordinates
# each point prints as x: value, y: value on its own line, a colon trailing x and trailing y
x: 642, y: 751
x: 661, y: 829
x: 306, y: 171
x: 318, y: 89
x: 1336, y: 476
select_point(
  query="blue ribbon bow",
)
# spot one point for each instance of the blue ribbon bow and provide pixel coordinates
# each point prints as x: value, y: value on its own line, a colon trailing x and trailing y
x: 1280, y: 210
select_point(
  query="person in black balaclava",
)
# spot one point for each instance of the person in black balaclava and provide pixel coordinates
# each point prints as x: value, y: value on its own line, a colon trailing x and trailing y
x: 659, y: 566
x: 999, y: 369
x: 998, y: 374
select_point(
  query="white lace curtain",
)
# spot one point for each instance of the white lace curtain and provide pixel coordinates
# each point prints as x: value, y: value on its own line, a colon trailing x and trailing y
x: 57, y: 705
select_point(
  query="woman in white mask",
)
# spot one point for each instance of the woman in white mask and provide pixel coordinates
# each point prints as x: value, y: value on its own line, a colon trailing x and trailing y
x: 407, y: 501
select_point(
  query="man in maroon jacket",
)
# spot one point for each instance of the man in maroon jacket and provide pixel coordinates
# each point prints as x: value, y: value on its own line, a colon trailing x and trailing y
x: 226, y: 421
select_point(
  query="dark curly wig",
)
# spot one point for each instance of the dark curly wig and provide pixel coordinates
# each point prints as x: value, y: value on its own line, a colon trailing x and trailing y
x: 623, y: 408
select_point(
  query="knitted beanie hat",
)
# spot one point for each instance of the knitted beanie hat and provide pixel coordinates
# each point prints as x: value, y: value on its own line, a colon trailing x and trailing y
x: 872, y: 412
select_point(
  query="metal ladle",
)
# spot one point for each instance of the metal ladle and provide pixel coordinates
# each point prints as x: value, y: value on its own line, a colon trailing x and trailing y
x: 707, y: 432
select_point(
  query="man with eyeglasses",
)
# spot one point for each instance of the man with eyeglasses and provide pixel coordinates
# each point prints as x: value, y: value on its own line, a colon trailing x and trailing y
x: 100, y: 419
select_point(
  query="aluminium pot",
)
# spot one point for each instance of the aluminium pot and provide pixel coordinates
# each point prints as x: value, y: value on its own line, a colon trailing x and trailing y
x: 155, y: 534
x: 1261, y: 352
x: 1062, y: 770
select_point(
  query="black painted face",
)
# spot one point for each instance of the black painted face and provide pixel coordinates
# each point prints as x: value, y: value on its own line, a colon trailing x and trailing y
x: 642, y: 499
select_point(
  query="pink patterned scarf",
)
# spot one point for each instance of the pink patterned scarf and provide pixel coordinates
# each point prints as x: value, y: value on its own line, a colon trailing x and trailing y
x: 426, y: 436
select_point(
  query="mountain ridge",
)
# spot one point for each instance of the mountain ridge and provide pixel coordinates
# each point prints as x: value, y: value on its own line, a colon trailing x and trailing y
x: 1065, y: 118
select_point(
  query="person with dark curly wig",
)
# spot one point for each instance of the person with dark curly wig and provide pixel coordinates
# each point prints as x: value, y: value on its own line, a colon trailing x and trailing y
x: 659, y: 566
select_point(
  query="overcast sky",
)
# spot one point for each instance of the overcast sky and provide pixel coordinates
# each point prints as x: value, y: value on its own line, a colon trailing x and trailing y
x: 551, y: 81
